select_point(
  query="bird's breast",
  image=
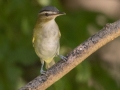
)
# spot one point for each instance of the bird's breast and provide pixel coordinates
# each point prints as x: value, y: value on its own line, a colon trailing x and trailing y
x: 47, y: 40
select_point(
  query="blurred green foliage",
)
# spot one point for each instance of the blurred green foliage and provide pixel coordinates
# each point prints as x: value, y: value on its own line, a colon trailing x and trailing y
x: 18, y: 62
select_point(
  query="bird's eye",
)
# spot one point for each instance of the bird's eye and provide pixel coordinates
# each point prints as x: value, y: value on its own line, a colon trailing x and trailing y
x: 46, y: 14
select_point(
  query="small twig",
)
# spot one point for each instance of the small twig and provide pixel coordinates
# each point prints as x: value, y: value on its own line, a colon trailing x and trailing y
x: 80, y: 53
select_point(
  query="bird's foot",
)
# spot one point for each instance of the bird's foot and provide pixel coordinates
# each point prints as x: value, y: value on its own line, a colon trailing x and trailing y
x: 42, y: 72
x: 63, y: 57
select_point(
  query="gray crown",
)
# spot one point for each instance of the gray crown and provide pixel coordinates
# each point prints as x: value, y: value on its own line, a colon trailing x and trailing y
x: 49, y: 8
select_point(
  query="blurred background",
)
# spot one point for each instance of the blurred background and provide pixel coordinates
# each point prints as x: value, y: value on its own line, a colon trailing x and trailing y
x: 19, y: 64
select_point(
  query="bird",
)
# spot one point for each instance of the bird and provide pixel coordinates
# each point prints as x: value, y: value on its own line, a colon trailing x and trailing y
x: 46, y: 36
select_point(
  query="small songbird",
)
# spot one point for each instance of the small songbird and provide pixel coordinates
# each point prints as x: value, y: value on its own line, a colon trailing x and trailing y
x: 46, y: 36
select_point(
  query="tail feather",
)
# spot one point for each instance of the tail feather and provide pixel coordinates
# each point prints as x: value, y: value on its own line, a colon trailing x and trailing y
x: 48, y: 65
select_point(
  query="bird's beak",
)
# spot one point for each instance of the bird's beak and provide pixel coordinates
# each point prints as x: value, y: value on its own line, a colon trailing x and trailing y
x: 61, y: 13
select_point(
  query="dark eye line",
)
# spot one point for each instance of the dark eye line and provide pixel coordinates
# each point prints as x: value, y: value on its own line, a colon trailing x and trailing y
x: 46, y: 14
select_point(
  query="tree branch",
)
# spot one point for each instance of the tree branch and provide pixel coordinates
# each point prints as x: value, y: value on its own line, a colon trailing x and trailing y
x: 80, y: 53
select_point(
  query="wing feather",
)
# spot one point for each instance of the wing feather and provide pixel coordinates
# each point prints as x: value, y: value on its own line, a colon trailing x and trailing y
x: 33, y: 41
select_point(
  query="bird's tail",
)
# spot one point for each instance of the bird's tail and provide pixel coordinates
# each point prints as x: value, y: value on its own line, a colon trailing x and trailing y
x: 48, y: 65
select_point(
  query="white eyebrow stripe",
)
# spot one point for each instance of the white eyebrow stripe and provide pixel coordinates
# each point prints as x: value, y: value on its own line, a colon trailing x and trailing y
x: 49, y: 12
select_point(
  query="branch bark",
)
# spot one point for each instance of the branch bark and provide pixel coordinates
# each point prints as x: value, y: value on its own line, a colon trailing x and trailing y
x: 75, y: 57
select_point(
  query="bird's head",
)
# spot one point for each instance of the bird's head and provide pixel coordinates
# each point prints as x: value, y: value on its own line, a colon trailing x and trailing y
x: 49, y: 13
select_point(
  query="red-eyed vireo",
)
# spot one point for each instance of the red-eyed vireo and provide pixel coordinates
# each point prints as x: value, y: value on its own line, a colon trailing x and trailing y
x: 46, y: 36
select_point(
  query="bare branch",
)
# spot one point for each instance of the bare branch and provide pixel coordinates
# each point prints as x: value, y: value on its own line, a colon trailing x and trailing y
x: 80, y: 53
